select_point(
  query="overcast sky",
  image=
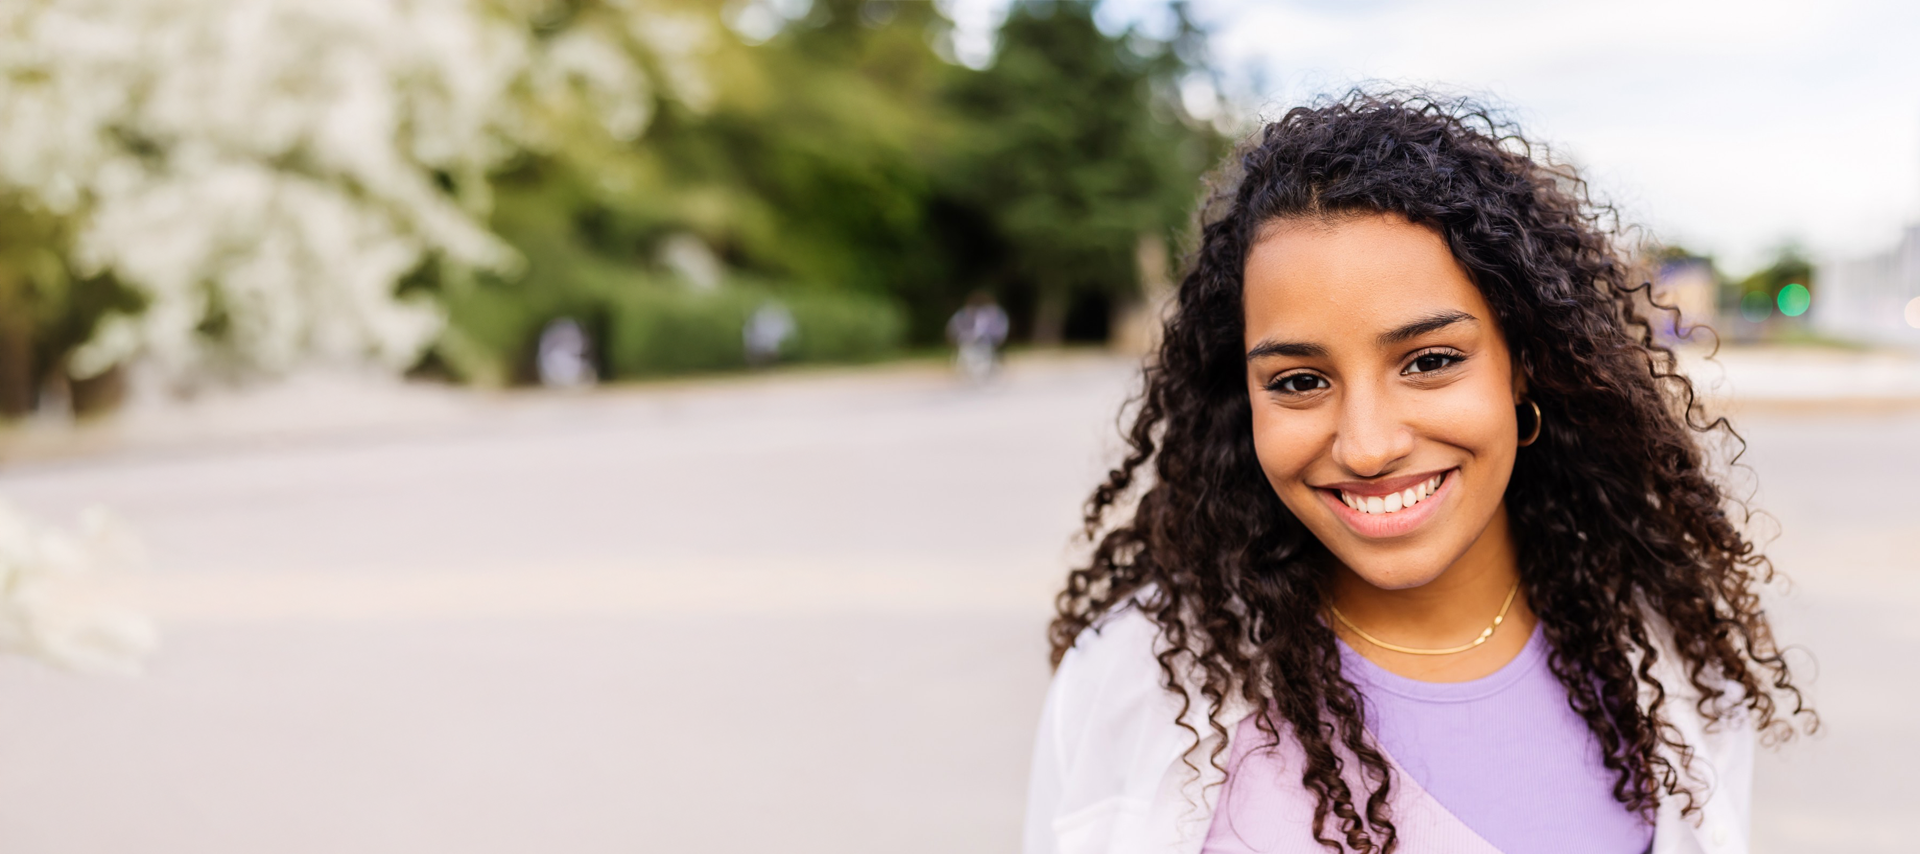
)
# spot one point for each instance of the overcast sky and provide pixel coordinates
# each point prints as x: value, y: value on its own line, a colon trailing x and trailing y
x: 1728, y: 127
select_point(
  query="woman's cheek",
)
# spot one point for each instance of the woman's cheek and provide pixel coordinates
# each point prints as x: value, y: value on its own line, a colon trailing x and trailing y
x: 1473, y: 416
x: 1286, y: 443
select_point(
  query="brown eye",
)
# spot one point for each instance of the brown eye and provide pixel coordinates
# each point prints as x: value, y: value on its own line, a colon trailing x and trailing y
x: 1298, y: 383
x: 1428, y: 362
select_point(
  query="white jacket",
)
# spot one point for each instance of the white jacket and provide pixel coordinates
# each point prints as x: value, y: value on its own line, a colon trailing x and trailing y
x: 1109, y: 777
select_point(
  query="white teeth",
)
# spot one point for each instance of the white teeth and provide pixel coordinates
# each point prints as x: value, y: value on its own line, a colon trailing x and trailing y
x: 1394, y: 501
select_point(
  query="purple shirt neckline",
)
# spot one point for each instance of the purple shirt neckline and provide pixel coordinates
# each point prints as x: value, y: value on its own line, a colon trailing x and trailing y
x: 1372, y: 676
x: 1505, y: 754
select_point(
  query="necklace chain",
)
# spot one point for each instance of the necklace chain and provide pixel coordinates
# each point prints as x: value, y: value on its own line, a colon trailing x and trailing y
x: 1484, y: 634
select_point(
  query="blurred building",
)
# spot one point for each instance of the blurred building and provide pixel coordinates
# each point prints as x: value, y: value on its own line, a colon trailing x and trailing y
x: 1867, y: 299
x: 1687, y: 284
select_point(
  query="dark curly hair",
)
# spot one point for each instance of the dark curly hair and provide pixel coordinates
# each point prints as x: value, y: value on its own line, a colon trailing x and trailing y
x: 1615, y: 512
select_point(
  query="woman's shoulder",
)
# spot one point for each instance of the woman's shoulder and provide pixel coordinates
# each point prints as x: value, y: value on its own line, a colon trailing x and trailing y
x: 1126, y: 658
x: 1124, y: 644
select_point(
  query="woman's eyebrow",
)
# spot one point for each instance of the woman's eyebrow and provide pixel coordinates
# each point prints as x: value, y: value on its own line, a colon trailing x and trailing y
x: 1296, y: 349
x: 1431, y: 323
x: 1397, y: 335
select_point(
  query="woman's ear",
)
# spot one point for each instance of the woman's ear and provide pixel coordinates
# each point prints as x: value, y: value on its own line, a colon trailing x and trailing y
x: 1519, y: 380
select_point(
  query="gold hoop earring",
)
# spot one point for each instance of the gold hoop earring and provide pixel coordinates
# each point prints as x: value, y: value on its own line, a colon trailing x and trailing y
x: 1537, y: 421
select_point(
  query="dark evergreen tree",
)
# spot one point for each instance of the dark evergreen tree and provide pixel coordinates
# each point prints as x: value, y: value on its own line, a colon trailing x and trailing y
x: 1076, y: 145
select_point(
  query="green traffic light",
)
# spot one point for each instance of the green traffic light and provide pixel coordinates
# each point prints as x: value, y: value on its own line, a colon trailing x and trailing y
x: 1794, y: 299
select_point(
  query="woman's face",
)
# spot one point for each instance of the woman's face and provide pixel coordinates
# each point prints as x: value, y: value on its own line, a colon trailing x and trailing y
x: 1383, y: 393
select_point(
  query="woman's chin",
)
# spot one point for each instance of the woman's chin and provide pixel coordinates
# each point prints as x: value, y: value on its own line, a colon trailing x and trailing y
x: 1389, y: 574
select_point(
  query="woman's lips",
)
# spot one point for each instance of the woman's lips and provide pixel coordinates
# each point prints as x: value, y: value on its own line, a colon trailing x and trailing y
x: 1393, y: 517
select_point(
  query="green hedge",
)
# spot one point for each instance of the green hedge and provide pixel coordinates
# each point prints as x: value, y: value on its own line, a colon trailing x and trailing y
x: 844, y: 328
x: 660, y: 331
x: 652, y: 329
x: 490, y: 333
x: 654, y: 332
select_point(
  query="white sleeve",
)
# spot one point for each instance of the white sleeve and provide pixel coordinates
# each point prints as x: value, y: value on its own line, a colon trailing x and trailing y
x: 1107, y: 737
x: 1047, y: 777
x: 1730, y: 749
x: 1723, y: 761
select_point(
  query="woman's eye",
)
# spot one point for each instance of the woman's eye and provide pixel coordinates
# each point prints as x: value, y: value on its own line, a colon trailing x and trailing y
x: 1298, y: 383
x: 1431, y: 362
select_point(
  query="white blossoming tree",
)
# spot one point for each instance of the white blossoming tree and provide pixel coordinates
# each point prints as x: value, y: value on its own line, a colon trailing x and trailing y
x: 263, y: 174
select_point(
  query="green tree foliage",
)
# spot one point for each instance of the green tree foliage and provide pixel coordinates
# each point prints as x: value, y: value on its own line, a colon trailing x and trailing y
x: 1771, y: 301
x: 47, y: 309
x: 845, y: 156
x: 839, y: 165
x: 807, y: 170
x: 1789, y: 266
x: 1076, y: 146
x: 828, y: 146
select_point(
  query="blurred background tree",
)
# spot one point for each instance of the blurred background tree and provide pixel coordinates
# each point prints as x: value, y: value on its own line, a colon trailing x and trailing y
x: 430, y: 186
x: 48, y: 309
x: 1768, y: 304
x: 800, y: 173
x: 260, y: 174
x: 1078, y: 145
x: 1771, y: 303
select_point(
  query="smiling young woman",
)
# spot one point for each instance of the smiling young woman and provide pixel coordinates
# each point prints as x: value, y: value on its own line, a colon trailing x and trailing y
x: 1415, y: 548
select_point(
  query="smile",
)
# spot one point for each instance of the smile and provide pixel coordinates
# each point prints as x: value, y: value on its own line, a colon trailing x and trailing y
x: 1388, y: 508
x: 1392, y: 502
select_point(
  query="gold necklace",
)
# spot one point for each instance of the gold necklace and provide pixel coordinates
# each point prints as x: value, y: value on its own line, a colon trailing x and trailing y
x: 1487, y: 633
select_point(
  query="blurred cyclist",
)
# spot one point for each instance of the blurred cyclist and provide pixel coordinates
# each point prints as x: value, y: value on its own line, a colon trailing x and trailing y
x: 978, y: 329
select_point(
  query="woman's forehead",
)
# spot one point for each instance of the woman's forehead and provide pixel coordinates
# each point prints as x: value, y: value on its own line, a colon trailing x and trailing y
x: 1361, y: 276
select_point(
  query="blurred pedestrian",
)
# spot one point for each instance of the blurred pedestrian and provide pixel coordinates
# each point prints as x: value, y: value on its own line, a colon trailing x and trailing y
x: 1415, y: 546
x: 977, y: 330
x: 767, y: 332
x: 564, y: 355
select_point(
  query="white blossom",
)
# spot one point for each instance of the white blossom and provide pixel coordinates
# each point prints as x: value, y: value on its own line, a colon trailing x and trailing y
x: 265, y: 172
x: 49, y: 604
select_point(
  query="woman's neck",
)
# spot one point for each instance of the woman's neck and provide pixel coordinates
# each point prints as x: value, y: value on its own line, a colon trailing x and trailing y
x: 1448, y: 611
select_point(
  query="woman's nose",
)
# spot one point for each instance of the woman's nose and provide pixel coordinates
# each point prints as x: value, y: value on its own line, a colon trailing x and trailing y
x: 1371, y: 435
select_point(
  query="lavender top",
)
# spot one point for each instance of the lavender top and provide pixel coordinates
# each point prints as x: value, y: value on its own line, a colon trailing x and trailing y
x: 1505, y: 754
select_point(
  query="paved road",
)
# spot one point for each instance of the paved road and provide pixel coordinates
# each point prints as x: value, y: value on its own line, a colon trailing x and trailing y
x: 798, y: 613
